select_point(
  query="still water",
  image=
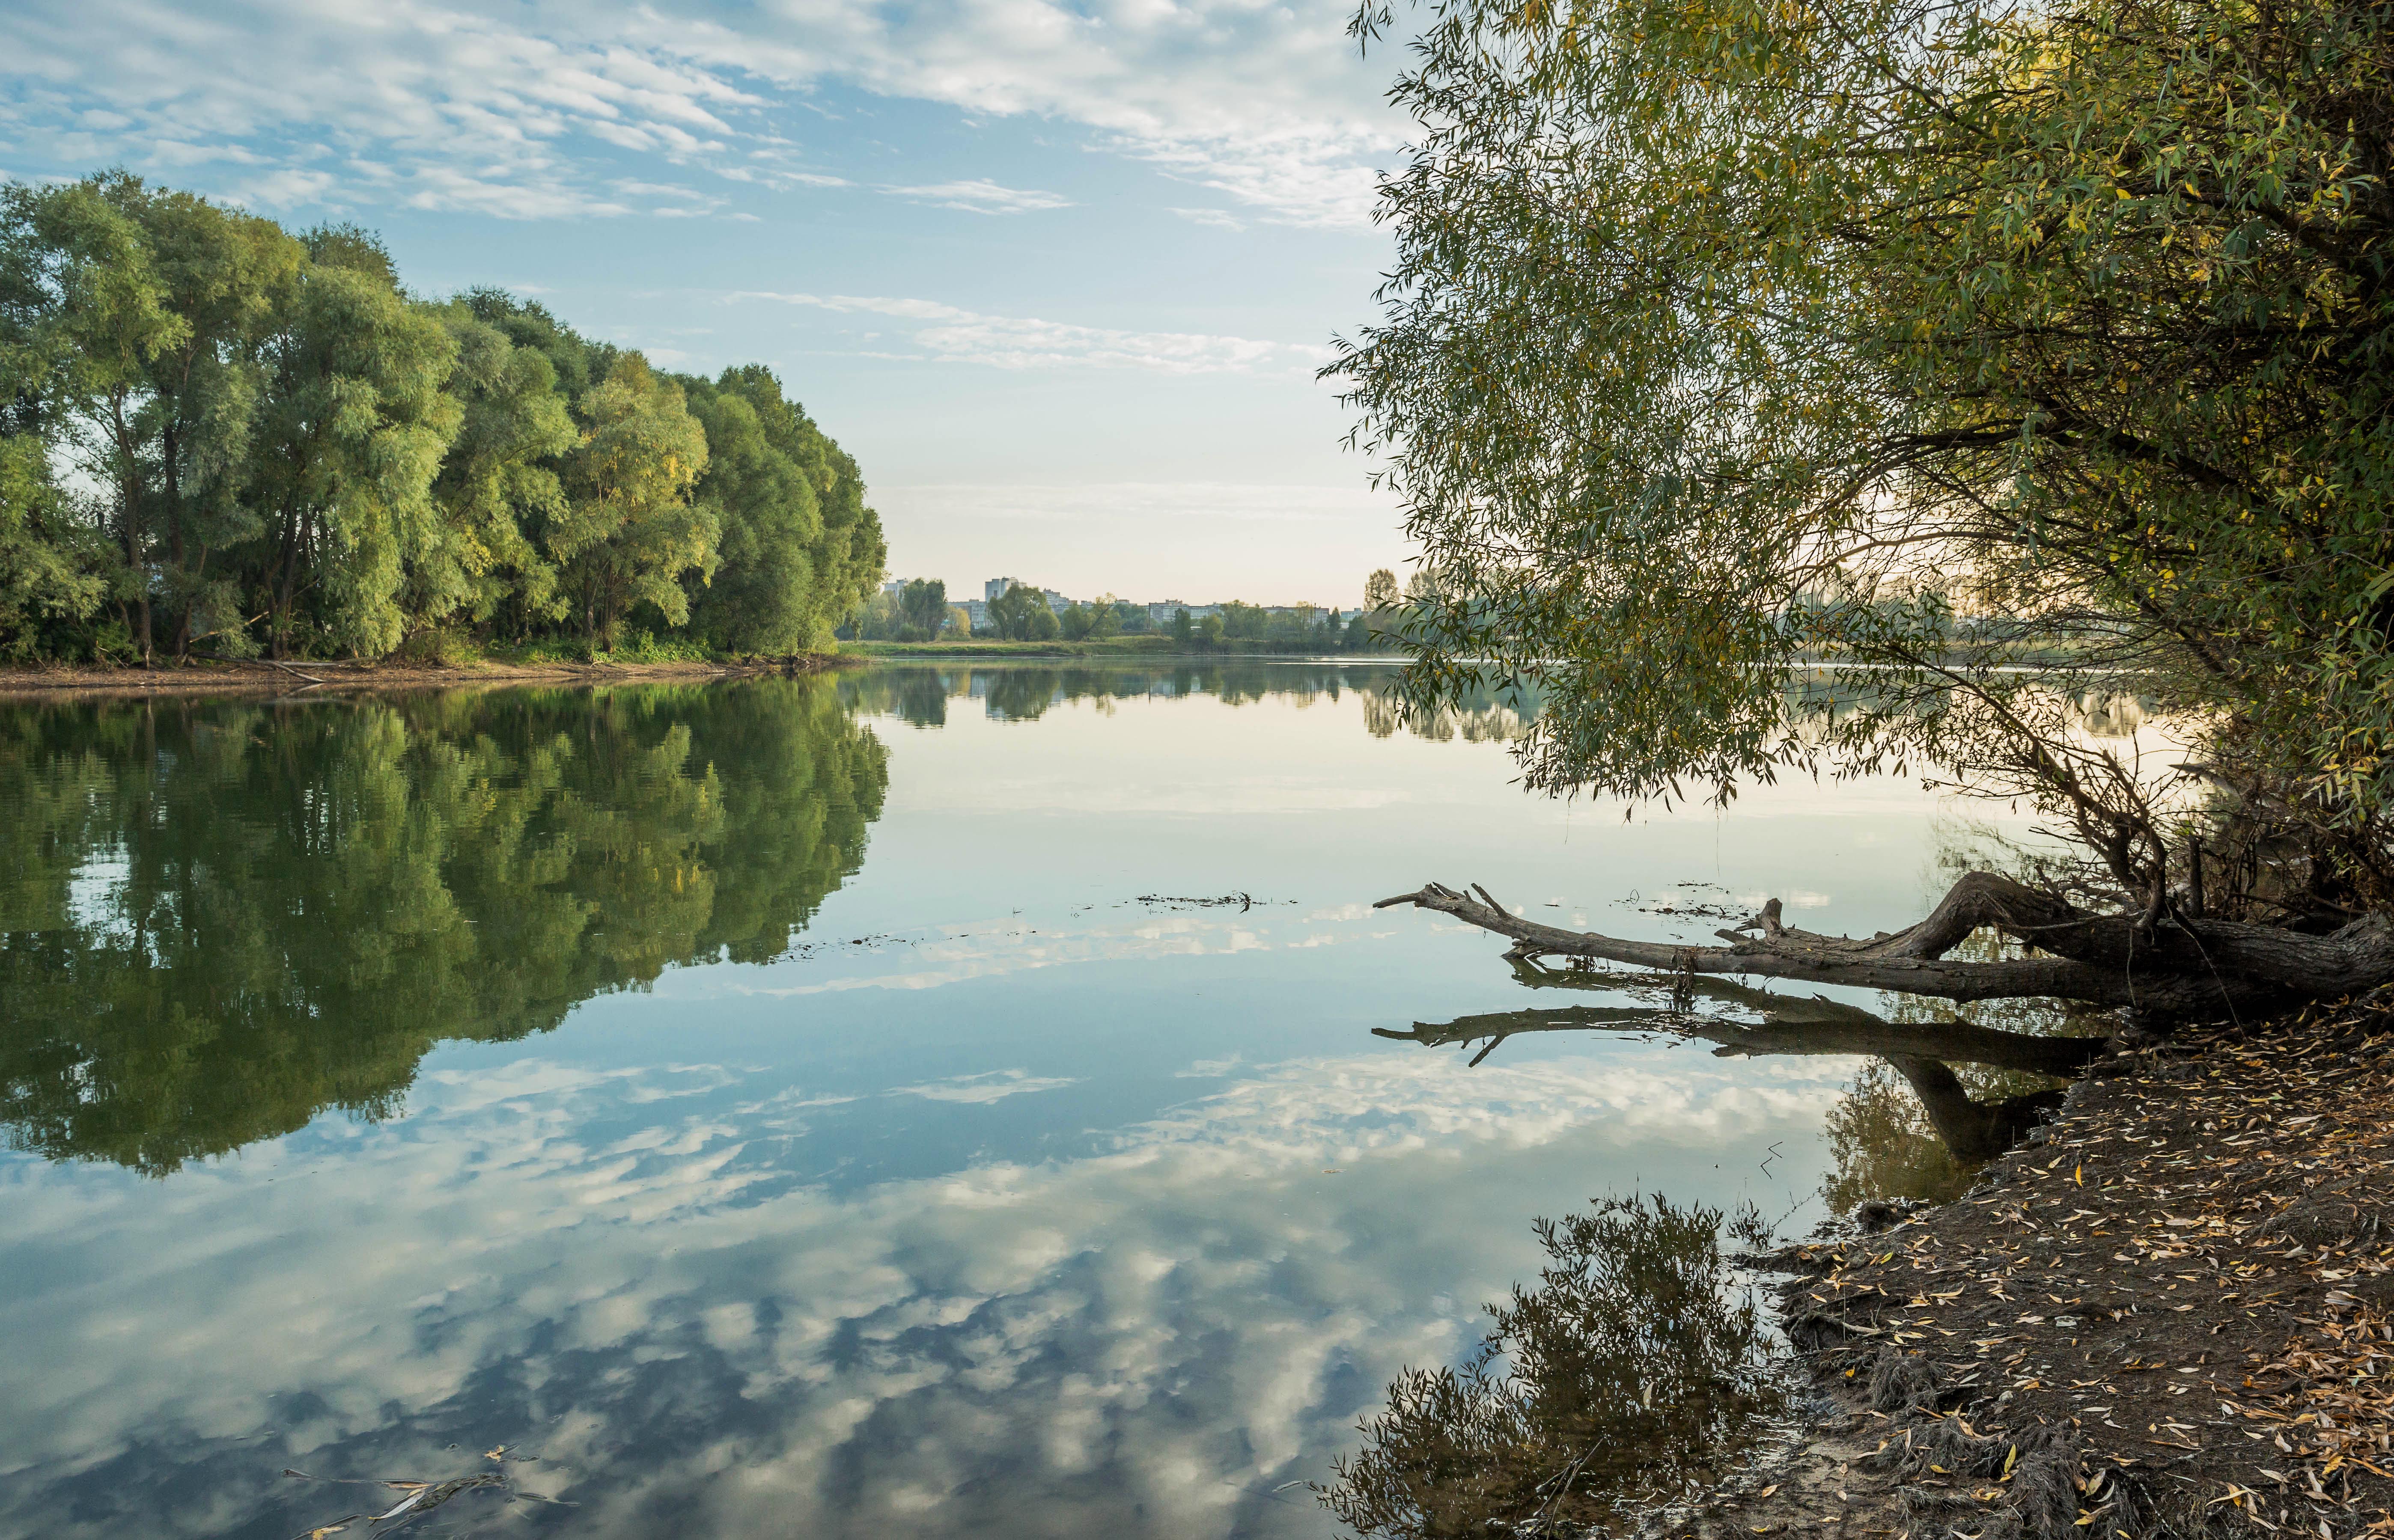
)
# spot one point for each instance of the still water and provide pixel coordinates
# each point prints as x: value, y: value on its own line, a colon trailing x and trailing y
x: 824, y: 1107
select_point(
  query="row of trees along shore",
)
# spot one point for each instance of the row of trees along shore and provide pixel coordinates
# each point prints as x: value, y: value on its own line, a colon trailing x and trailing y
x: 920, y: 612
x: 218, y: 437
x: 2075, y: 320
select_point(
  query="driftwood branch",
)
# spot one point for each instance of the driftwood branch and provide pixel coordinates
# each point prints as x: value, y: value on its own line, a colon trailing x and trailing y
x: 2170, y: 963
x: 292, y: 669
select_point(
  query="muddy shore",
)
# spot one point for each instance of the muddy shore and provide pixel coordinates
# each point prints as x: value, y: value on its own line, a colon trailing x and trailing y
x: 2170, y: 1313
x: 279, y: 678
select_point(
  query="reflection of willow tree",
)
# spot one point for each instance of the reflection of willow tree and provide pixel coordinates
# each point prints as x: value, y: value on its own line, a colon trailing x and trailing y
x: 1632, y: 1371
x: 1885, y: 1136
x: 221, y: 919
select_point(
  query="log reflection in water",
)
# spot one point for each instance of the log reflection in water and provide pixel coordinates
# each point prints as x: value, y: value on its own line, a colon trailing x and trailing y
x: 1923, y: 1053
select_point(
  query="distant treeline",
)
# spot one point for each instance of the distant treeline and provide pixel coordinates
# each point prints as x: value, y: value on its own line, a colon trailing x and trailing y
x: 920, y: 612
x: 219, y: 437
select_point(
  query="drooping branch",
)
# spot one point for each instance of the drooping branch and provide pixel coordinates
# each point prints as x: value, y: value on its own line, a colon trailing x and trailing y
x: 2167, y: 963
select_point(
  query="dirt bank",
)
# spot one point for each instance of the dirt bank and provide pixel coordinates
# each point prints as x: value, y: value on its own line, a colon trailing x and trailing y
x: 260, y: 678
x: 2172, y: 1313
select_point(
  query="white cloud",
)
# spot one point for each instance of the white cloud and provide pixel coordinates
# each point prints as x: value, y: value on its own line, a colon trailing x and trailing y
x: 949, y: 335
x: 1214, y: 216
x: 498, y: 111
x: 981, y: 197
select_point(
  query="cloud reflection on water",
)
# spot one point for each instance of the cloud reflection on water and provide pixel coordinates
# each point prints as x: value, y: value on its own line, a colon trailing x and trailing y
x: 1148, y: 1337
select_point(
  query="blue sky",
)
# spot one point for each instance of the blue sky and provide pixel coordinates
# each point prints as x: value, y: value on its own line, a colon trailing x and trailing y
x: 1058, y: 274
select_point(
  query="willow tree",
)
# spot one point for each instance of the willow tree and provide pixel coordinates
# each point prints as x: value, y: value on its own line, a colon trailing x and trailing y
x: 498, y: 483
x: 1913, y: 342
x: 630, y: 527
x: 85, y: 316
x: 353, y: 425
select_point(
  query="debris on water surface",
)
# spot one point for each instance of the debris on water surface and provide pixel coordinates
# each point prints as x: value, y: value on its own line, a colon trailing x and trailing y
x: 420, y: 1498
x: 1243, y: 901
x: 1689, y: 905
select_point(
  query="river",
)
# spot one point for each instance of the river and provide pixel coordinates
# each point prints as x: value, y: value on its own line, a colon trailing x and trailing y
x: 928, y: 1101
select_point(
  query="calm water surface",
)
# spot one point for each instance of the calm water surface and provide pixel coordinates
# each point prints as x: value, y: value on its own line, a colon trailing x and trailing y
x: 812, y: 1107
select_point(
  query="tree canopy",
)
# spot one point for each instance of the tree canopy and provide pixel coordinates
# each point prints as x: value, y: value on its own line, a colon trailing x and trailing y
x: 1022, y: 614
x: 220, y: 437
x: 1930, y: 340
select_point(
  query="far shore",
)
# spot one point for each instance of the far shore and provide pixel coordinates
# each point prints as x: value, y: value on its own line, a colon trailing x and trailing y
x: 1141, y: 647
x: 214, y: 676
x: 211, y: 676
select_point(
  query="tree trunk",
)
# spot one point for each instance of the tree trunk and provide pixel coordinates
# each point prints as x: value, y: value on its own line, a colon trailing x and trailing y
x: 129, y: 522
x: 2170, y: 964
x: 170, y: 482
x: 283, y: 593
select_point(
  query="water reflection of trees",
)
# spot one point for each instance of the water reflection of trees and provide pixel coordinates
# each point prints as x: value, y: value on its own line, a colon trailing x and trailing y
x: 1629, y: 1374
x: 919, y: 694
x: 1634, y: 1367
x: 221, y: 918
x: 1816, y: 700
x: 1488, y: 712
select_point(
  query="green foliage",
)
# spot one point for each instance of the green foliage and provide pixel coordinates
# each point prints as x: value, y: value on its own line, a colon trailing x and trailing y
x: 922, y: 604
x: 86, y: 314
x: 1244, y: 622
x: 354, y: 425
x: 1728, y: 335
x: 630, y: 529
x: 800, y: 552
x: 53, y: 569
x: 274, y: 445
x: 301, y: 904
x: 1021, y: 614
x: 1092, y: 622
x: 499, y: 490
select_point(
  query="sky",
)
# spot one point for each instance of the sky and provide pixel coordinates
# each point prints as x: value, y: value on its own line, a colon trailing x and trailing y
x: 1058, y: 275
